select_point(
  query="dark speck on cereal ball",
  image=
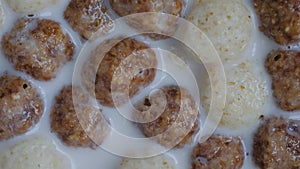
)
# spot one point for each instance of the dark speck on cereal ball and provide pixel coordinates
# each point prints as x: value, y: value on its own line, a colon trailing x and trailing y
x: 280, y: 19
x: 38, y: 47
x: 284, y: 68
x: 219, y: 152
x: 277, y: 144
x: 132, y: 58
x: 177, y: 122
x: 21, y: 106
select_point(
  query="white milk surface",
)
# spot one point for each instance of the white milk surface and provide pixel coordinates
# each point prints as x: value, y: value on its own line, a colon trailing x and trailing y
x: 86, y: 158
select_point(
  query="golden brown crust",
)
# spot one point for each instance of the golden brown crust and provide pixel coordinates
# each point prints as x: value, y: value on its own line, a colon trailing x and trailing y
x: 277, y: 144
x: 219, y: 152
x: 21, y: 106
x: 65, y: 122
x: 38, y: 47
x: 127, y: 55
x: 280, y: 19
x: 284, y: 68
x: 182, y: 119
x: 87, y: 17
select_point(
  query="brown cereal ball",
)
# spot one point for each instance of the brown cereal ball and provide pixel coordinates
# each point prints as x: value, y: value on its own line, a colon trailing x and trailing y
x: 21, y: 106
x: 280, y: 19
x: 38, y: 47
x: 179, y: 111
x: 87, y: 17
x: 219, y: 152
x: 90, y: 131
x: 284, y: 68
x: 173, y: 7
x: 277, y: 144
x: 124, y: 7
x: 127, y: 60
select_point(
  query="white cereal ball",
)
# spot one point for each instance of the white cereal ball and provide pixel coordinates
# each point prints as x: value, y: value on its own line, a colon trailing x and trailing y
x: 29, y: 6
x: 227, y: 23
x: 158, y: 162
x: 245, y: 99
x: 34, y: 153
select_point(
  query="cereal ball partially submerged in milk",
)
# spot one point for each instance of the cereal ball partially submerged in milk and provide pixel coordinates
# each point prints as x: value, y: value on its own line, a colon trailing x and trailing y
x: 177, y: 113
x: 88, y: 131
x: 276, y: 144
x: 219, y: 152
x: 279, y: 19
x: 21, y: 106
x: 227, y: 24
x: 127, y: 68
x: 34, y: 153
x: 284, y: 68
x: 29, y: 6
x: 39, y: 47
x: 149, y: 22
x: 158, y: 162
x: 246, y: 96
x: 87, y: 17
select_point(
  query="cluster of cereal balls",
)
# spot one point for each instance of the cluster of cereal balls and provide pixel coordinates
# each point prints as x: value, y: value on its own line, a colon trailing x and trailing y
x: 276, y: 141
x: 40, y: 48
